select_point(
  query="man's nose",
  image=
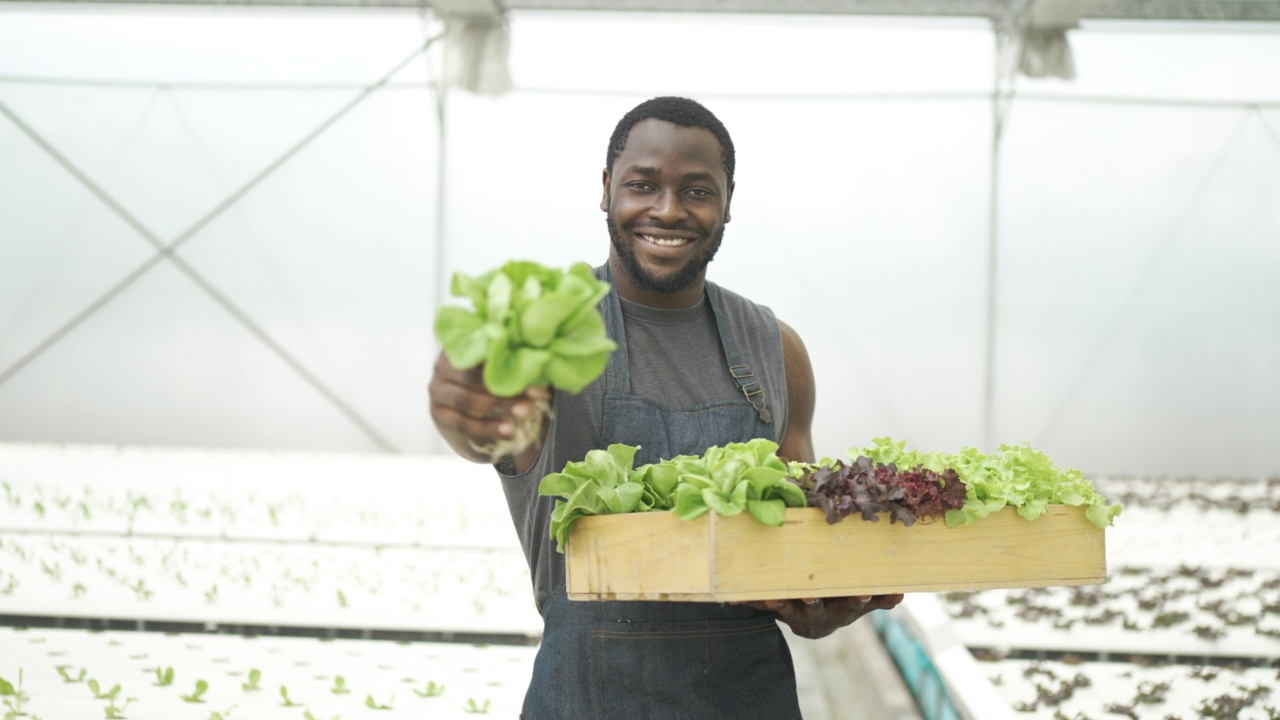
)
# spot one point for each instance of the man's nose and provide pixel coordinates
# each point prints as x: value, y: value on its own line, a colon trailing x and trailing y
x: 668, y: 207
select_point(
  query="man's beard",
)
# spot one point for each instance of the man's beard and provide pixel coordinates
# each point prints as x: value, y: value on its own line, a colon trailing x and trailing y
x: 666, y: 284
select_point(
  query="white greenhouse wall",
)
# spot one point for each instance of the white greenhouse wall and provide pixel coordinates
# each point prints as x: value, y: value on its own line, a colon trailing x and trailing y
x: 1138, y: 275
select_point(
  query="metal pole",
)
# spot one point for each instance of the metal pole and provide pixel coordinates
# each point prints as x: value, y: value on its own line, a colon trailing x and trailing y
x: 440, y: 280
x: 993, y: 254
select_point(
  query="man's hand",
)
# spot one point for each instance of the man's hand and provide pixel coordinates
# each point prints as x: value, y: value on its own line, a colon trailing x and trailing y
x: 819, y: 617
x: 470, y: 417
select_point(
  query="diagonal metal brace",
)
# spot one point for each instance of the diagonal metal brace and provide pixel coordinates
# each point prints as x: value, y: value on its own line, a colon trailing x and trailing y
x: 166, y: 252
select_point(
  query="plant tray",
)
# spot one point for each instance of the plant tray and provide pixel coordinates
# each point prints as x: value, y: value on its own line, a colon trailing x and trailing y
x: 658, y: 556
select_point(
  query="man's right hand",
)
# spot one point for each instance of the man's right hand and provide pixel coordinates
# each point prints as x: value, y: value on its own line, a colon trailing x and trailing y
x: 470, y: 417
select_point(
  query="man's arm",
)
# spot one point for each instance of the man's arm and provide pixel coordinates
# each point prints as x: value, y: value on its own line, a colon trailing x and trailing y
x: 797, y: 444
x: 811, y: 617
x: 470, y: 417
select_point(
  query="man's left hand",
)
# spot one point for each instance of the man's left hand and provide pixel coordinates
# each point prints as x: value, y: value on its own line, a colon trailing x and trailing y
x: 818, y: 617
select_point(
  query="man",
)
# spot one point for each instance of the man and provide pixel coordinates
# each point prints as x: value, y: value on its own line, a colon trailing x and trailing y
x: 696, y: 366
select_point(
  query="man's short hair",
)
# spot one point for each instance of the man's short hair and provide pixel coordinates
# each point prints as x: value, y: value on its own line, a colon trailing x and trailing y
x: 677, y: 111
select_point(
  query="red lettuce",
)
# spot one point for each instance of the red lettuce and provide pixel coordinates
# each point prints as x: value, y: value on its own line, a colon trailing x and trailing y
x: 869, y: 488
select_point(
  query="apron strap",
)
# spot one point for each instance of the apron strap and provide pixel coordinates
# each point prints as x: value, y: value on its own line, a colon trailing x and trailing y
x: 618, y: 373
x: 738, y: 368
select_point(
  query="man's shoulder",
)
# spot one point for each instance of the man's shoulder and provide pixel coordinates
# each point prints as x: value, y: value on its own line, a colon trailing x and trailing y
x: 737, y: 302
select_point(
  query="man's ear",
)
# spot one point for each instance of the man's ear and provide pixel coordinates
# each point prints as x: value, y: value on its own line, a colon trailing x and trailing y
x: 604, y: 199
x: 728, y: 200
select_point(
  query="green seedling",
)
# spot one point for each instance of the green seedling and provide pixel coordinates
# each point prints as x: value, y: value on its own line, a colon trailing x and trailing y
x: 254, y: 676
x: 194, y: 697
x: 372, y: 704
x: 164, y: 677
x: 284, y: 698
x: 308, y: 716
x: 431, y: 690
x: 141, y: 590
x: 224, y: 715
x: 99, y: 694
x: 339, y: 686
x: 342, y: 599
x: 474, y: 709
x: 14, y: 698
x: 78, y: 590
x: 114, y: 712
x: 66, y: 676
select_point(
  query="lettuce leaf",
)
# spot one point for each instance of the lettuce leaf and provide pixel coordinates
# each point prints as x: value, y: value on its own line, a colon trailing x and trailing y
x: 530, y: 325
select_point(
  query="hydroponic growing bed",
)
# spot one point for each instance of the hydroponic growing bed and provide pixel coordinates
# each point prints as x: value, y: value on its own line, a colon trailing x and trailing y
x: 259, y: 539
x: 274, y: 552
x: 1187, y: 626
x: 77, y: 675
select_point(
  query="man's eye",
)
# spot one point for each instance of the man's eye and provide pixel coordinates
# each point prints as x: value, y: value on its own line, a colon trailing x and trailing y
x: 699, y: 192
x: 639, y: 186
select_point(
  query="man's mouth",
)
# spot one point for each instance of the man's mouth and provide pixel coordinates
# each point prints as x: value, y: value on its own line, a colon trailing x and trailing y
x: 665, y: 241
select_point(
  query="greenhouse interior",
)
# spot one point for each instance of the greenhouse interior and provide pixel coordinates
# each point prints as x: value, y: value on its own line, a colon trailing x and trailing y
x: 1009, y: 229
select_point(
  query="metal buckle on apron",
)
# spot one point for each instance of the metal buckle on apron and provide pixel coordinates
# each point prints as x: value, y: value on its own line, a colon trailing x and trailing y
x: 740, y: 373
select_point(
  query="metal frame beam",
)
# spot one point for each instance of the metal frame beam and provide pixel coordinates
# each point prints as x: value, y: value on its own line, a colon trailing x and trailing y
x: 1190, y: 10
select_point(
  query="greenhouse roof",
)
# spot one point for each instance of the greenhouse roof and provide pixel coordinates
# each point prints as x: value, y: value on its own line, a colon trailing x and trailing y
x: 1199, y: 10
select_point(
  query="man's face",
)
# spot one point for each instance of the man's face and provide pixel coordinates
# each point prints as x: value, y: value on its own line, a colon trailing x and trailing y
x: 667, y: 200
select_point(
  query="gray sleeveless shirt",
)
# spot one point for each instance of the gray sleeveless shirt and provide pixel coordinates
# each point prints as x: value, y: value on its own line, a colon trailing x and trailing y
x: 676, y: 359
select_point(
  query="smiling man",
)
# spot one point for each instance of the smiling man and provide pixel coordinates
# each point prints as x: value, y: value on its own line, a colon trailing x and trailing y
x: 697, y: 365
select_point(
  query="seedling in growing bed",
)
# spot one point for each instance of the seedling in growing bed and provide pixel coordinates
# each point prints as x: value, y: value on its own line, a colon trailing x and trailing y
x: 164, y: 677
x: 115, y: 712
x: 339, y: 686
x: 308, y: 716
x: 14, y: 698
x: 372, y: 704
x: 194, y: 697
x: 254, y: 676
x: 99, y: 694
x: 63, y: 670
x: 141, y: 590
x: 475, y: 709
x: 431, y: 690
x: 224, y: 715
x: 284, y: 697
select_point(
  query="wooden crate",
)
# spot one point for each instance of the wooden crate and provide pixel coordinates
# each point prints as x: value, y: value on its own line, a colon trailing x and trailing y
x: 658, y: 556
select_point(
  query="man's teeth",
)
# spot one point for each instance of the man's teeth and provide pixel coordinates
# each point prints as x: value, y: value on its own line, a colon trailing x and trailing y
x: 669, y: 242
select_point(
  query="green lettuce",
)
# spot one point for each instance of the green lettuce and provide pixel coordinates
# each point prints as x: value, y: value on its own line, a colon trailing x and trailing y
x: 530, y: 325
x: 601, y: 484
x: 736, y: 477
x: 1016, y: 476
x: 739, y: 476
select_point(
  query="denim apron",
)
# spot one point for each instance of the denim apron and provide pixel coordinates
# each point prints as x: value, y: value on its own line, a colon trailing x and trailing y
x: 664, y: 660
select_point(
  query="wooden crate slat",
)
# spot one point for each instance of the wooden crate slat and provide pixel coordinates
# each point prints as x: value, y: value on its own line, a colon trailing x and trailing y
x: 657, y: 556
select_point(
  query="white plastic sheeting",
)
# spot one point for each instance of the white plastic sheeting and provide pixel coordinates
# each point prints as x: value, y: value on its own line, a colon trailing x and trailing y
x: 1138, y: 273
